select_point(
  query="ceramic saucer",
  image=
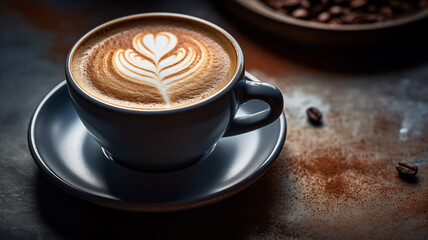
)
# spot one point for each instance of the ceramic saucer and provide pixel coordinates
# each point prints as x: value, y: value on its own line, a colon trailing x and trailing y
x: 67, y: 155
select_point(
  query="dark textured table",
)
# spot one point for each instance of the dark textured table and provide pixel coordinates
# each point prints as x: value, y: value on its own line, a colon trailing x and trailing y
x: 335, y: 181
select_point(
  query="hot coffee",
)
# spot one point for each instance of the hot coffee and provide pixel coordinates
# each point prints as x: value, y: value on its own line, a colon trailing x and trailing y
x: 154, y: 63
x: 157, y: 91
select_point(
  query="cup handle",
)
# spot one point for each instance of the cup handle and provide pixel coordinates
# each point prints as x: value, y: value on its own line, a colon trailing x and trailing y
x: 250, y: 88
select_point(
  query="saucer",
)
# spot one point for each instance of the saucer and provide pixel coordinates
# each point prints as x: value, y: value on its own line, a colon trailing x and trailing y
x: 68, y: 156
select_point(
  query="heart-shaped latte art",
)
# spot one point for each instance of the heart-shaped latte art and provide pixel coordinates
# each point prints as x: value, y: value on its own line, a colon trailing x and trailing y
x: 147, y: 61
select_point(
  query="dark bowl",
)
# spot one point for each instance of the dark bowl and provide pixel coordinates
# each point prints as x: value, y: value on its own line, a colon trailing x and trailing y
x: 313, y: 34
x: 357, y: 48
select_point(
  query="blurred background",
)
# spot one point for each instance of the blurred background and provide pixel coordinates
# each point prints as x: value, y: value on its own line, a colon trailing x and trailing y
x: 333, y: 181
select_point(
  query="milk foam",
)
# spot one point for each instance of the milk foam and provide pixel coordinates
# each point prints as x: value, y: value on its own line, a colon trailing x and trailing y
x: 162, y: 73
x: 155, y: 65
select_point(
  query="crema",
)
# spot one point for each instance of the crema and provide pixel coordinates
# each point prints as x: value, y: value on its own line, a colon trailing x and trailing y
x: 154, y: 63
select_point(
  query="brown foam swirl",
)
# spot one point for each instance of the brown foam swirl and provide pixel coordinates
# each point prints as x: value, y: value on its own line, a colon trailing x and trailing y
x: 154, y: 67
x: 148, y: 63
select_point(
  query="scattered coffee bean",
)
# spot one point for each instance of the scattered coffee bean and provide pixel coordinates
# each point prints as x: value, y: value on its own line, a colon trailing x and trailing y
x: 406, y: 169
x: 314, y: 114
x: 347, y: 11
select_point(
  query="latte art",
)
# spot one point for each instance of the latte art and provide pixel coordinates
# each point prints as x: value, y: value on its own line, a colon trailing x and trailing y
x: 148, y: 64
x: 154, y: 63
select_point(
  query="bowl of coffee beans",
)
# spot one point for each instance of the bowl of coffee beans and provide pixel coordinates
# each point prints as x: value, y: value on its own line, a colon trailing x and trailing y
x: 337, y: 23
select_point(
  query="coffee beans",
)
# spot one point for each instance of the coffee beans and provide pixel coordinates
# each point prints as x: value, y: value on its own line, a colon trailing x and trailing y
x: 335, y: 10
x: 406, y: 169
x: 357, y: 3
x: 347, y: 11
x: 314, y: 115
x: 323, y: 17
x: 300, y: 13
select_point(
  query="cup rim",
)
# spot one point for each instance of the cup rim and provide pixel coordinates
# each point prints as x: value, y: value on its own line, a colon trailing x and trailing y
x: 239, y: 71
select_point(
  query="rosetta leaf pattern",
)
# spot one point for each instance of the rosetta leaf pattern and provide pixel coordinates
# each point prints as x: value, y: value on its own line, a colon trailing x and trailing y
x: 147, y: 62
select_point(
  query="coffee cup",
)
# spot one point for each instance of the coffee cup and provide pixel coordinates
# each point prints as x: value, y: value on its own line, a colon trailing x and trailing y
x: 157, y: 91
